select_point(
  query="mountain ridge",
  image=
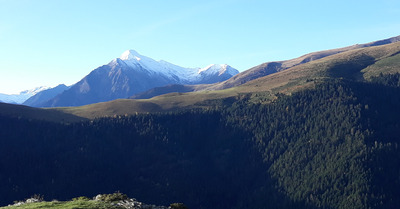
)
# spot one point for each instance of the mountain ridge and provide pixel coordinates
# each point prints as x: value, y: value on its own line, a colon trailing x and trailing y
x: 277, y: 66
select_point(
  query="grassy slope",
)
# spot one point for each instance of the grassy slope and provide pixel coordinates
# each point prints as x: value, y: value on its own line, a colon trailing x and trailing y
x: 116, y: 107
x: 387, y: 65
x: 348, y: 65
x: 168, y: 102
x: 37, y: 113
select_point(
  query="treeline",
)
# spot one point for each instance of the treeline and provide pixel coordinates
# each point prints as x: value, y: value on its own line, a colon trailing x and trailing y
x: 334, y: 146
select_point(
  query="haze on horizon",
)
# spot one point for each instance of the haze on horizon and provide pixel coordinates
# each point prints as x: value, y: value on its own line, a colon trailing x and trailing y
x: 47, y: 42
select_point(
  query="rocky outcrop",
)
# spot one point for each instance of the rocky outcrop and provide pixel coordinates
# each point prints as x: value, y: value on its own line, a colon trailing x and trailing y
x: 124, y: 202
x: 134, y: 204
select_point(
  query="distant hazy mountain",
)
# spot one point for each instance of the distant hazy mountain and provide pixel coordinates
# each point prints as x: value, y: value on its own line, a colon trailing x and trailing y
x: 42, y: 97
x: 22, y: 96
x: 133, y: 73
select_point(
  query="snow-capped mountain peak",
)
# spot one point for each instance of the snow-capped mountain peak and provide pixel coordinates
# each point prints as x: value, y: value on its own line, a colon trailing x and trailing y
x: 212, y: 67
x: 130, y: 54
x: 134, y: 59
x: 186, y: 75
x: 218, y: 69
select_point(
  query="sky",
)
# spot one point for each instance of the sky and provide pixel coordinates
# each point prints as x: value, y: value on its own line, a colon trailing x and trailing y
x: 49, y: 42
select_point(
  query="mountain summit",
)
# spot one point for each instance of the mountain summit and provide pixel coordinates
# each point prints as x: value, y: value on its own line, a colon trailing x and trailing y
x: 133, y: 73
x: 130, y: 54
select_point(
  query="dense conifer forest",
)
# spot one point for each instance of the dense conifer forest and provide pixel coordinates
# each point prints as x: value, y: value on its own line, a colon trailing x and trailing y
x: 332, y: 146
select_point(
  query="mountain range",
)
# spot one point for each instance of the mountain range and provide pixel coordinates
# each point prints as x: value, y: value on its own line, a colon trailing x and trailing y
x: 115, y: 79
x: 139, y: 77
x: 130, y: 74
x: 358, y: 63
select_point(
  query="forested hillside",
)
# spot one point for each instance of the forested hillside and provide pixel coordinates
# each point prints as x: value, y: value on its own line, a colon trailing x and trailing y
x: 333, y: 146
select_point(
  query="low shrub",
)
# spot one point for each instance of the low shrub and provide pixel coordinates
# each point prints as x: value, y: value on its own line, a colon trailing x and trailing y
x: 117, y: 196
x: 178, y: 206
x: 82, y: 198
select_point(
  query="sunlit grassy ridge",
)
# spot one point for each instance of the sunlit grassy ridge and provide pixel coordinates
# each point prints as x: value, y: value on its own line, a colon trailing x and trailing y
x: 116, y: 200
x: 347, y: 65
x: 387, y: 65
x: 67, y: 205
x: 277, y: 66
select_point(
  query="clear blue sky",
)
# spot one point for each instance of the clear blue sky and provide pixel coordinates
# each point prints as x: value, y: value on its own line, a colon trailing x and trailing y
x: 47, y: 42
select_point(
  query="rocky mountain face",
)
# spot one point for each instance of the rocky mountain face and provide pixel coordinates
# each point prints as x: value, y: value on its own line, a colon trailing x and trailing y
x: 133, y: 73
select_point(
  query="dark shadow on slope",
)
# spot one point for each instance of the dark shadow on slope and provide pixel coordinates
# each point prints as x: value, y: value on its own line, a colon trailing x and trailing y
x: 350, y: 69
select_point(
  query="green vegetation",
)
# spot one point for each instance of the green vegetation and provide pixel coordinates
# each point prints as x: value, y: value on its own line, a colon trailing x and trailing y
x: 115, y: 200
x: 81, y: 198
x: 388, y: 65
x: 76, y: 204
x: 178, y: 206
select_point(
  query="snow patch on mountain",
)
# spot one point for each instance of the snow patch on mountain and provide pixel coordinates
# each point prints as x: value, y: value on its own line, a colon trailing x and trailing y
x: 185, y: 75
x: 218, y: 69
x: 134, y: 60
x: 22, y: 96
x: 34, y: 90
